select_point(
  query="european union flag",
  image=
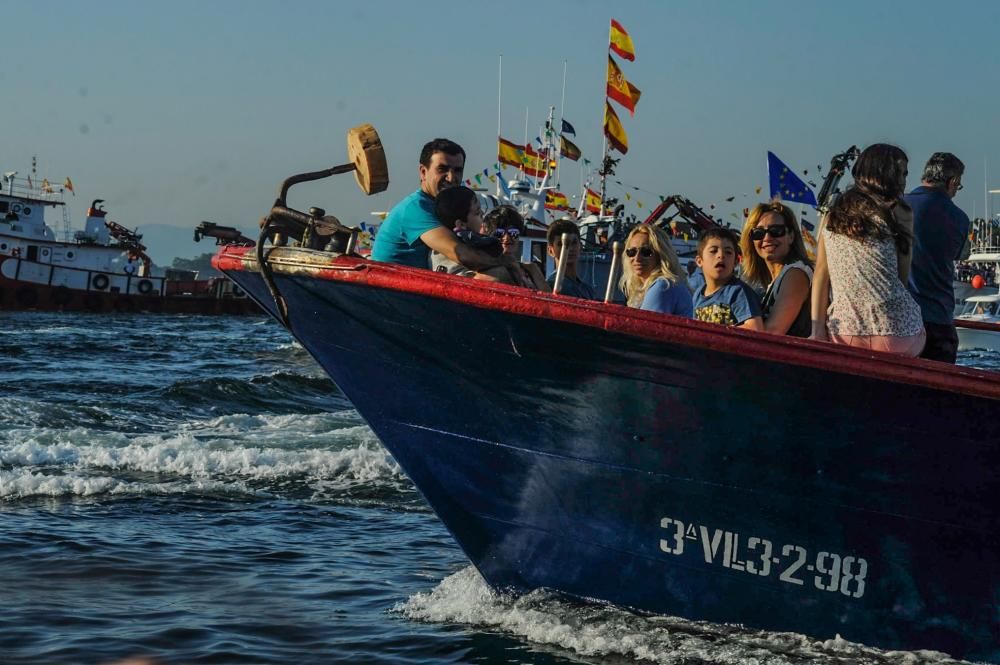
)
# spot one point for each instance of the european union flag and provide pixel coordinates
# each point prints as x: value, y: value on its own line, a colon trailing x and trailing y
x: 785, y: 185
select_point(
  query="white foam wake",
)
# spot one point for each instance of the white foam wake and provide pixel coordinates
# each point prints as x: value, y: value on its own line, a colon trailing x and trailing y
x: 600, y: 630
x: 23, y: 483
x: 324, y: 452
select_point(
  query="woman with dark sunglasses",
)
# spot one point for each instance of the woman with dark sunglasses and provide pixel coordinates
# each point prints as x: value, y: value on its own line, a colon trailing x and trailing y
x: 861, y: 260
x: 652, y: 276
x: 506, y: 224
x: 776, y: 262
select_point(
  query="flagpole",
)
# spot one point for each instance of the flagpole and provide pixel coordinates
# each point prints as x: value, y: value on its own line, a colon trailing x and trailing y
x: 562, y: 115
x: 525, y: 139
x: 499, y: 131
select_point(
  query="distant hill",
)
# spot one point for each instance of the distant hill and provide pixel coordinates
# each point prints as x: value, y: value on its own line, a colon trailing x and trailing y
x: 202, y: 264
x: 164, y: 243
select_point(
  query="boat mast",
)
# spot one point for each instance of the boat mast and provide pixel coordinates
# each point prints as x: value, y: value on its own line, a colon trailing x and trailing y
x: 525, y: 139
x: 562, y: 114
x: 499, y: 132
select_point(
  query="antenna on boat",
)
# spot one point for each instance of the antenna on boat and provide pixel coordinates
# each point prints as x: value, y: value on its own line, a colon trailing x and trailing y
x: 499, y: 115
x: 562, y: 115
x: 525, y: 139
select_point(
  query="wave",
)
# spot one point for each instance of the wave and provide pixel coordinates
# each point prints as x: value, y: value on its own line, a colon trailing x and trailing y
x: 602, y: 630
x: 280, y: 391
x: 331, y: 457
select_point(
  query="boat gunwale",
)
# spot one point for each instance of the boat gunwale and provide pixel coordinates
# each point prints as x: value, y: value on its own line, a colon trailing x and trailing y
x: 616, y: 318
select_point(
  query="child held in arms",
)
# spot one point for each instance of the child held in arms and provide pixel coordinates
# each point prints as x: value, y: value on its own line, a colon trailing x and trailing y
x: 724, y: 298
x: 458, y: 209
x: 572, y: 284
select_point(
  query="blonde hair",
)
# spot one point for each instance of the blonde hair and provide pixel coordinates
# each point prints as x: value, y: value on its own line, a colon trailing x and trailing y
x: 669, y: 266
x: 754, y: 267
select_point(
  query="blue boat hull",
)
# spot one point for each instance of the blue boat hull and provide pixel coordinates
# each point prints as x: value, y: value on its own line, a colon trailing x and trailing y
x: 675, y: 478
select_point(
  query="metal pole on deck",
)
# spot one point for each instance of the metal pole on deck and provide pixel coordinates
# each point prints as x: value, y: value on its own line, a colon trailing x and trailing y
x: 615, y: 253
x: 561, y: 267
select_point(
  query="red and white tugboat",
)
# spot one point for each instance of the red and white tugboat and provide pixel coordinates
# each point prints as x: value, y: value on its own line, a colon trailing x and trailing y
x: 103, y: 268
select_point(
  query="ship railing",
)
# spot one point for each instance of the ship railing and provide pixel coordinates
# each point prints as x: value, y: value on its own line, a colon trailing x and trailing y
x: 86, y: 279
x: 19, y: 187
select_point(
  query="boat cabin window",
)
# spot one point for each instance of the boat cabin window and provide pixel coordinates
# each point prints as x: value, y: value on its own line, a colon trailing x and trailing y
x: 4, y: 206
x: 595, y: 236
x: 538, y: 252
x: 981, y: 308
x: 32, y: 252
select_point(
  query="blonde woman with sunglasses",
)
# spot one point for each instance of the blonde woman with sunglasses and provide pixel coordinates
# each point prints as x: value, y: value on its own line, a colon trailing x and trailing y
x: 776, y: 262
x: 652, y: 277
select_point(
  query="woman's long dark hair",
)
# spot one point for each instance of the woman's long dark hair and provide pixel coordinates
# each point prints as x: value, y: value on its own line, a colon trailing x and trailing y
x: 879, y: 183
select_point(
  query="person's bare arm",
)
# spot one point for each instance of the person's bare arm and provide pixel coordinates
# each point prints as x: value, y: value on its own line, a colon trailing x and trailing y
x: 788, y: 302
x: 753, y: 323
x: 820, y: 299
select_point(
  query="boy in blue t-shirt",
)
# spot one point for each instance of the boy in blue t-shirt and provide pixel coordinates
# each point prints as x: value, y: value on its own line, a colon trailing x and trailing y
x: 724, y: 298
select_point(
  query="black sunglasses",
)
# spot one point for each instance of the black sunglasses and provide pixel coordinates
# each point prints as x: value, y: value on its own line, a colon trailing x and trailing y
x: 644, y: 252
x: 511, y: 233
x: 776, y: 231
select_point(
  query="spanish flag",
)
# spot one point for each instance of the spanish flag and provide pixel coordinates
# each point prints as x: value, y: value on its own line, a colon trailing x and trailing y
x: 510, y: 153
x: 69, y: 185
x: 568, y: 149
x: 534, y: 163
x: 614, y: 131
x: 592, y: 202
x: 46, y: 187
x: 620, y: 42
x: 619, y: 89
x: 556, y: 201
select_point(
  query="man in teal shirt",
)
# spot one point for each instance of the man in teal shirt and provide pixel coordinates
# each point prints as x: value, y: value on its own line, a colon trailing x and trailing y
x: 411, y: 230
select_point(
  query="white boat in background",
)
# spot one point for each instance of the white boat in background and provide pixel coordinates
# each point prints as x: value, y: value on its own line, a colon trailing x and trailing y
x: 978, y: 316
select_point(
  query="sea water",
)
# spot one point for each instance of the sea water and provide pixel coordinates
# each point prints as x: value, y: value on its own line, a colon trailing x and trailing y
x: 196, y: 490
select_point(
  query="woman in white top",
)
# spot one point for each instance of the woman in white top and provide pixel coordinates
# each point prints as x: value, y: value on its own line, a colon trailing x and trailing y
x: 775, y: 261
x: 858, y: 258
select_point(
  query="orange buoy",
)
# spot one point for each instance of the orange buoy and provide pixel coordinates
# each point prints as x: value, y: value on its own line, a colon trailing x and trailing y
x: 978, y: 282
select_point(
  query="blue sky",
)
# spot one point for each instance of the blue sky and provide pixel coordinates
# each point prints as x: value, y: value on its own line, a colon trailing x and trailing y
x: 187, y: 111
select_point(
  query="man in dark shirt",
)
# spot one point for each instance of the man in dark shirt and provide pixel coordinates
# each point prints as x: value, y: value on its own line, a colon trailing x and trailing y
x: 940, y: 237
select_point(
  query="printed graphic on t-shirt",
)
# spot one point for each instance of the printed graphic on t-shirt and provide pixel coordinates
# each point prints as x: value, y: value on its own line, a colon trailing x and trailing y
x: 716, y: 313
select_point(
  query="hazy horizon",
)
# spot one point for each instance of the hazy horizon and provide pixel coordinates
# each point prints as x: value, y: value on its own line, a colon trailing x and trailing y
x: 189, y: 112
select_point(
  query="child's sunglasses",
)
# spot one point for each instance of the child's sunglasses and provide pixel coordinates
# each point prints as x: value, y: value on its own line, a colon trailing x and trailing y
x: 644, y: 252
x: 776, y: 231
x: 513, y: 234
